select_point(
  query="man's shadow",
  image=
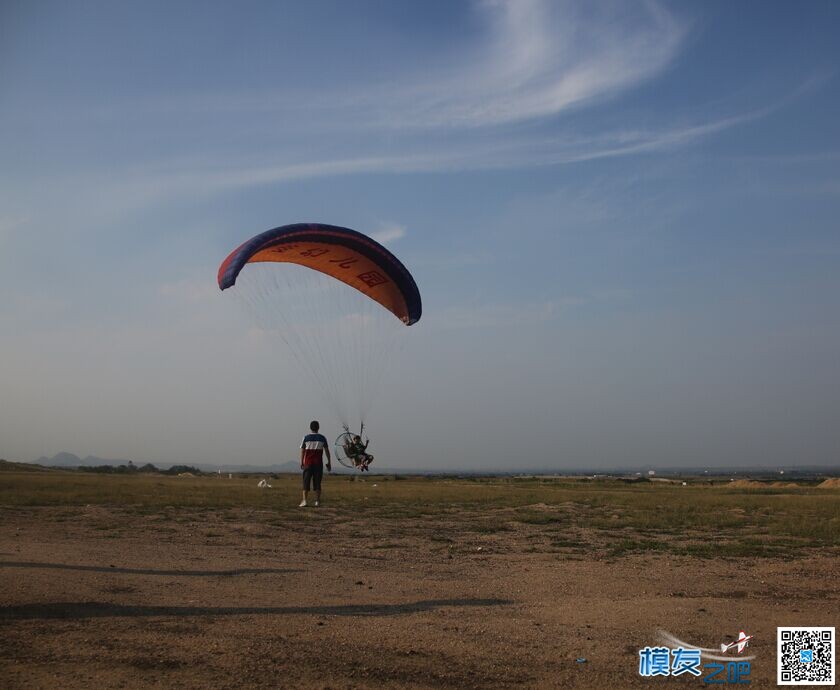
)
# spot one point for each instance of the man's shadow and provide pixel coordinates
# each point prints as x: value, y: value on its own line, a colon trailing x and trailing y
x: 149, y: 571
x: 95, y: 609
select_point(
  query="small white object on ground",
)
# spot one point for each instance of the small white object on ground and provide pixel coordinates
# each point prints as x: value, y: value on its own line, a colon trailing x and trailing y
x: 263, y: 484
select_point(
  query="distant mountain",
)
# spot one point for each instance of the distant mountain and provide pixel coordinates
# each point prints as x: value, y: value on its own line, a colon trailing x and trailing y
x: 65, y: 459
x: 60, y: 460
x: 71, y: 460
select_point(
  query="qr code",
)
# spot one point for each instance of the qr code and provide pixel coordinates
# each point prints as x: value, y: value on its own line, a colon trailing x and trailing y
x: 805, y: 656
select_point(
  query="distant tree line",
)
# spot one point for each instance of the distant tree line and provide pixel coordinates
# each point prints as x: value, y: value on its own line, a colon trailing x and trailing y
x: 148, y: 468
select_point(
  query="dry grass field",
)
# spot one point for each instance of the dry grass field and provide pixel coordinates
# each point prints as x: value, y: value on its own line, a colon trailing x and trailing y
x: 208, y: 582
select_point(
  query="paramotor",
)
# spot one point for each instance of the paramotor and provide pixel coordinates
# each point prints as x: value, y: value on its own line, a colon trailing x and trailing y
x: 339, y: 301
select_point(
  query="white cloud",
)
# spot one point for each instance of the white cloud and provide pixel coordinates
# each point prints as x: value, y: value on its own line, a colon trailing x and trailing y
x: 156, y: 185
x: 160, y: 184
x: 534, y: 59
x: 530, y: 59
x: 540, y: 58
x: 527, y: 59
x: 388, y: 232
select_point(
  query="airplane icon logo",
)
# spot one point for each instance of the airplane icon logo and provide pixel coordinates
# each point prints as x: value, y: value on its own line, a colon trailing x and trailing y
x: 741, y: 643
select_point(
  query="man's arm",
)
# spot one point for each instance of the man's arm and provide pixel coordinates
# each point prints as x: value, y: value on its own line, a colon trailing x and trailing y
x: 329, y: 459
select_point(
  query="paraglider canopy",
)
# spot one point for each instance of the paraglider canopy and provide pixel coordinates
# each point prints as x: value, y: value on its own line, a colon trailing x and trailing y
x: 331, y: 295
x: 346, y: 255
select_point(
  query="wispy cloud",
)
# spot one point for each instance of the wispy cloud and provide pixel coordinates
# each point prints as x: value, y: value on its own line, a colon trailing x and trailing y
x: 162, y: 183
x: 530, y: 62
x: 388, y: 232
x: 526, y: 59
x: 529, y: 59
x: 539, y: 58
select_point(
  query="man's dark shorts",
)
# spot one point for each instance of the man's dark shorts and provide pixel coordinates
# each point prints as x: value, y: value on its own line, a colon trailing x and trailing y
x: 313, y: 474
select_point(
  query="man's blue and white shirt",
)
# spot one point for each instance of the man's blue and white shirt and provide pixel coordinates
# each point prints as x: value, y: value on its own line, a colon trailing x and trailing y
x: 313, y: 449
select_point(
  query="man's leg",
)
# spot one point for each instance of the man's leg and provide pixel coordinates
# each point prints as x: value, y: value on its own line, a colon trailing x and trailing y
x: 316, y: 479
x: 307, y: 473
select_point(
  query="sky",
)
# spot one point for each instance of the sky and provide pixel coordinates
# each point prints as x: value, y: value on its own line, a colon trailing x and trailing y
x: 622, y: 217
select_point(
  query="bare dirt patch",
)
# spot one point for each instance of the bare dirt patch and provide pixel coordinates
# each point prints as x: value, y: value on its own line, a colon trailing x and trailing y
x: 489, y: 595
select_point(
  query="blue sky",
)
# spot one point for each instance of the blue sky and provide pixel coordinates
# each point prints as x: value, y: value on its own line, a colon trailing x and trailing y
x: 623, y: 218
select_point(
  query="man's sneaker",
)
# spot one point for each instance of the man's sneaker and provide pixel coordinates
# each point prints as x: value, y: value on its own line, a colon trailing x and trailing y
x: 302, y: 504
x: 317, y: 504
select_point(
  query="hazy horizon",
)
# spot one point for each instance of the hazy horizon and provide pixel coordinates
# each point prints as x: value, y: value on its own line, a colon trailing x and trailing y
x: 61, y: 461
x: 623, y: 221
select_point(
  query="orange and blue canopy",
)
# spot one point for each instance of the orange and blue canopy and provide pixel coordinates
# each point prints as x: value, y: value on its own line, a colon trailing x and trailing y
x: 346, y: 255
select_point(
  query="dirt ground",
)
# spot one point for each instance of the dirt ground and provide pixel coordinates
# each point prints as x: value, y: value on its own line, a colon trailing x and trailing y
x: 105, y: 597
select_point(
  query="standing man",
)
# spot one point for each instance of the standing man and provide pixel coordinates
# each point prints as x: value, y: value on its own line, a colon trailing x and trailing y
x: 311, y: 449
